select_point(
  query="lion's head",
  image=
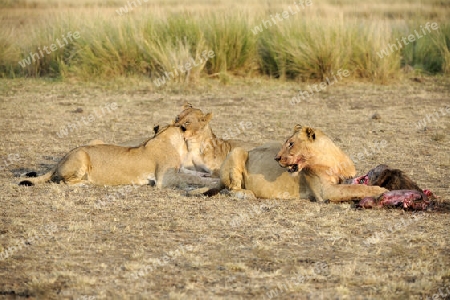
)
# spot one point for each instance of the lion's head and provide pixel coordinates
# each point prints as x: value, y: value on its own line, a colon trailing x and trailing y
x: 192, y: 121
x: 311, y: 149
x: 295, y: 153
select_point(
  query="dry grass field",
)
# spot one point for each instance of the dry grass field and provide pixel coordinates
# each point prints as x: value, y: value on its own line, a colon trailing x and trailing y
x: 221, y: 247
x: 100, y: 242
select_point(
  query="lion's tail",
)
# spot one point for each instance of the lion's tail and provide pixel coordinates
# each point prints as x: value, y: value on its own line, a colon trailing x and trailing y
x: 212, y: 192
x: 40, y: 179
x: 206, y: 191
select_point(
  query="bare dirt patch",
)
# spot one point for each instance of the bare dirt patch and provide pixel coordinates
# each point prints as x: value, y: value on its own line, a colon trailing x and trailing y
x: 152, y: 244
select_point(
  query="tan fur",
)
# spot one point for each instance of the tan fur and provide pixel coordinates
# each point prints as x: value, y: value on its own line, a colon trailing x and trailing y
x: 130, y: 143
x: 255, y: 173
x: 158, y: 160
x: 206, y: 151
x: 95, y: 142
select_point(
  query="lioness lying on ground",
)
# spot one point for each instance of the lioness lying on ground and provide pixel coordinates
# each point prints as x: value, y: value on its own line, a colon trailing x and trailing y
x: 310, y: 158
x: 206, y: 152
x: 155, y: 162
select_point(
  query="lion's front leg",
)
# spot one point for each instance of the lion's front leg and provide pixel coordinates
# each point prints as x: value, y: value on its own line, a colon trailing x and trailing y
x: 188, y: 162
x: 233, y: 169
x: 348, y: 192
x: 232, y: 174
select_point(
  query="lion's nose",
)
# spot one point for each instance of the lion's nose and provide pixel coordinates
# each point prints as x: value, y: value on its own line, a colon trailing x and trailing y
x: 277, y: 158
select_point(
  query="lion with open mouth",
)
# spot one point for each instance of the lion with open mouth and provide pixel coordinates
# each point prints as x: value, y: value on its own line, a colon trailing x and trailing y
x: 308, y: 166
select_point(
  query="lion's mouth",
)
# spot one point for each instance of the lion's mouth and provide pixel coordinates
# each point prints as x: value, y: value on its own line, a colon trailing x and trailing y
x: 292, y: 168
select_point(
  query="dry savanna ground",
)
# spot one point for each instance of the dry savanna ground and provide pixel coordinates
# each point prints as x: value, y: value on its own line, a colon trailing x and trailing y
x: 161, y: 244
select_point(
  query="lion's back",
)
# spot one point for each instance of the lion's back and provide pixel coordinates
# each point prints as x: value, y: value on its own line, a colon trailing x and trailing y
x: 266, y: 178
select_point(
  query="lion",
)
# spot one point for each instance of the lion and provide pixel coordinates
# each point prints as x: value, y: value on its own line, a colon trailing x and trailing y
x: 206, y: 152
x: 305, y: 168
x: 155, y: 162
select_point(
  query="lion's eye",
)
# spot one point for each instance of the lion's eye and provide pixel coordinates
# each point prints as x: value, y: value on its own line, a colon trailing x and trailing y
x: 187, y: 123
x: 291, y: 144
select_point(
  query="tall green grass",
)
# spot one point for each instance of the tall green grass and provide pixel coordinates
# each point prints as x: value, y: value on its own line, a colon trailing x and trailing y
x: 303, y: 47
x: 431, y: 52
x: 315, y: 49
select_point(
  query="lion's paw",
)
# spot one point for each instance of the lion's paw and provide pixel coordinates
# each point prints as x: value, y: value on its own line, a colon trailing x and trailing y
x: 243, y: 194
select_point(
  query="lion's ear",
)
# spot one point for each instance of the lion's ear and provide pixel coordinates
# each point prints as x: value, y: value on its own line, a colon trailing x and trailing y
x: 310, y: 133
x: 207, y: 117
x: 187, y: 105
x: 297, y: 128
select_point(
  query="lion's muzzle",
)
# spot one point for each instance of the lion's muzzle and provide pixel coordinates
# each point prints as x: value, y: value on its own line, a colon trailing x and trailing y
x: 288, y: 162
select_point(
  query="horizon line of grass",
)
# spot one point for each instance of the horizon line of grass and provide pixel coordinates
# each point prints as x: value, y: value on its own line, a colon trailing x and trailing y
x: 301, y: 48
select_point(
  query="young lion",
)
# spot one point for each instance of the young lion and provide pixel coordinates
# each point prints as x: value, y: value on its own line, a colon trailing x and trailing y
x: 309, y: 155
x: 154, y: 162
x: 206, y: 152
